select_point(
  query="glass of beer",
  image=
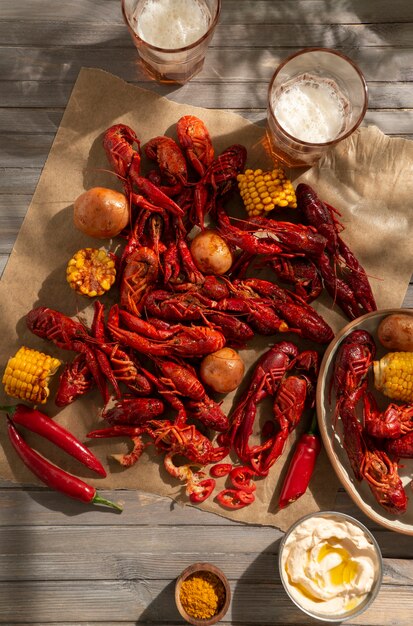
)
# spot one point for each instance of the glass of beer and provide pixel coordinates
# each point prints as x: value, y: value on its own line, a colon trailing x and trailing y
x: 316, y: 98
x: 171, y: 36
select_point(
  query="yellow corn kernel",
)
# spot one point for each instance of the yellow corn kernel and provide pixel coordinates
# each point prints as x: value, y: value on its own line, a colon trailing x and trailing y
x: 91, y: 272
x: 263, y: 191
x: 27, y: 375
x: 393, y: 376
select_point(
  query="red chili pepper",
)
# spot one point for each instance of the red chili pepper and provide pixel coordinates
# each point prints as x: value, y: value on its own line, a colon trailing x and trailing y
x: 41, y: 424
x: 220, y: 469
x: 241, y: 478
x: 53, y: 476
x: 301, y: 467
x: 235, y: 498
x: 115, y: 431
x: 207, y: 487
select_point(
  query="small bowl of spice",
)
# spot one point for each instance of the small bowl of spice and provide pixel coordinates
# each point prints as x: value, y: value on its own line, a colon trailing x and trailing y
x: 202, y: 594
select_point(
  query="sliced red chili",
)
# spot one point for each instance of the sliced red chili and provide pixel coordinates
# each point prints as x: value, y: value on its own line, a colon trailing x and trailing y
x: 220, y: 469
x: 241, y: 478
x: 235, y: 498
x: 203, y: 490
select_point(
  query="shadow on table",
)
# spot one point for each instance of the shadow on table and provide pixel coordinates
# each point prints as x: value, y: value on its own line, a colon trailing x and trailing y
x: 162, y: 607
x: 258, y: 596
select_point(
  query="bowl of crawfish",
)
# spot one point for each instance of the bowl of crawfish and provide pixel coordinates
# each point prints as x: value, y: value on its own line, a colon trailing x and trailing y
x: 383, y: 478
x: 202, y: 594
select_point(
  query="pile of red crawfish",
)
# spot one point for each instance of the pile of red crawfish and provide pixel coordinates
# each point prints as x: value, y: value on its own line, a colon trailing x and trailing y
x: 170, y: 315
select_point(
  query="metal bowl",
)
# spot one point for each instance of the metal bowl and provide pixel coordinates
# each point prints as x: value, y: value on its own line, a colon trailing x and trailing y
x: 199, y: 568
x: 295, y: 596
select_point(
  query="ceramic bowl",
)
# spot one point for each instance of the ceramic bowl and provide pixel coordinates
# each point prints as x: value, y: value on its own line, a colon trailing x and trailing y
x: 332, y: 432
x: 296, y: 596
x: 199, y: 568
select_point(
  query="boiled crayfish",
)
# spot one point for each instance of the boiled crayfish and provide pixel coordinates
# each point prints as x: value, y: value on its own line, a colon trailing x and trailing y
x: 368, y: 458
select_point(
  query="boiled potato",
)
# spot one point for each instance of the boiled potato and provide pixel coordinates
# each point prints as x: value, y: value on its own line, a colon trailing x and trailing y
x: 101, y: 213
x: 211, y: 253
x: 395, y: 332
x: 223, y: 370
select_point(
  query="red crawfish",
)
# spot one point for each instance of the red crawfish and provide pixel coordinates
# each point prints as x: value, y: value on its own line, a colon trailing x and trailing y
x: 353, y: 360
x: 300, y: 317
x: 118, y: 142
x: 344, y: 278
x: 270, y: 372
x: 367, y: 457
x: 394, y: 421
x: 180, y: 379
x: 75, y: 380
x: 186, y: 341
x: 195, y: 141
x: 140, y: 273
x: 402, y: 447
x: 224, y: 314
x: 170, y: 440
x: 171, y: 162
x: 269, y: 237
x: 302, y: 273
x: 369, y: 461
x: 219, y: 179
x: 68, y: 334
x: 134, y: 411
x: 106, y: 362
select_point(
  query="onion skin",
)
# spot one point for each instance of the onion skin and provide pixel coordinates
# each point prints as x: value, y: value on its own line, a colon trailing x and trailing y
x: 101, y: 213
x: 223, y: 370
x: 211, y: 253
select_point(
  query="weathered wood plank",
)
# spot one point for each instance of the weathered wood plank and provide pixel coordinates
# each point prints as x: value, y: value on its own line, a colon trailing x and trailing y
x: 147, y: 566
x: 154, y: 602
x: 163, y: 539
x: 233, y: 11
x: 32, y: 67
x: 288, y: 34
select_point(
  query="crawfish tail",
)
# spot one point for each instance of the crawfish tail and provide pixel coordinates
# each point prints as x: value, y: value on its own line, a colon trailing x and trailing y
x: 357, y: 279
x: 317, y: 214
x: 134, y: 411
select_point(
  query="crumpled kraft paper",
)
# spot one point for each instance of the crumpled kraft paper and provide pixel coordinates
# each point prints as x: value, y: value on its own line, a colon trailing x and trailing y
x: 367, y: 177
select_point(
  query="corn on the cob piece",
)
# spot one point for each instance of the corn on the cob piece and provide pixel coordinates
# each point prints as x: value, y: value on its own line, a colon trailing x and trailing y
x: 263, y: 191
x: 91, y: 272
x: 27, y: 375
x: 393, y: 375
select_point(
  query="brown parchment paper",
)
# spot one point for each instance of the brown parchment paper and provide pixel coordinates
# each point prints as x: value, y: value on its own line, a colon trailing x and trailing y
x: 368, y: 177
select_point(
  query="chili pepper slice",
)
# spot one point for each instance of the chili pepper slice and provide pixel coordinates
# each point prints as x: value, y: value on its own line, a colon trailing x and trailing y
x: 301, y: 466
x: 220, y: 469
x: 234, y: 498
x: 206, y: 488
x: 46, y: 427
x: 241, y: 478
x: 53, y: 476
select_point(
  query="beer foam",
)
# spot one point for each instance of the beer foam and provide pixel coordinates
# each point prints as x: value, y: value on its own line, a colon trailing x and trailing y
x: 311, y: 110
x: 172, y: 24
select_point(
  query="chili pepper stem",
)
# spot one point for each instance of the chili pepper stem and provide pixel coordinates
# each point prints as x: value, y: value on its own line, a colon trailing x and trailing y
x: 97, y: 499
x: 10, y: 410
x: 313, y: 430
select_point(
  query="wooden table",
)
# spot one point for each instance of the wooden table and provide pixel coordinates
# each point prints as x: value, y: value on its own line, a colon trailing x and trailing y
x: 61, y: 562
